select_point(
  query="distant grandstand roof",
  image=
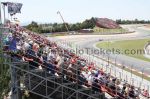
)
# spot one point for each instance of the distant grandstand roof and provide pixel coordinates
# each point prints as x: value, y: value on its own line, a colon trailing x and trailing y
x: 106, y: 23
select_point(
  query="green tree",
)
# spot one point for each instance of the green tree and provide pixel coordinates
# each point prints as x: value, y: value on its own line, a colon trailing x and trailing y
x: 89, y: 23
x: 33, y: 26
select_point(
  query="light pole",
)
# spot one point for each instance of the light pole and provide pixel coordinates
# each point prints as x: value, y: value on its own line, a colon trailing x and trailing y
x: 63, y: 21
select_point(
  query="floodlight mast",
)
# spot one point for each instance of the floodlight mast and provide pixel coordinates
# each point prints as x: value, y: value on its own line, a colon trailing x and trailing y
x: 63, y: 21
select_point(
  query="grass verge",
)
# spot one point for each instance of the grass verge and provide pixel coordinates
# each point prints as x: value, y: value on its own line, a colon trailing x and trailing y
x: 132, y: 48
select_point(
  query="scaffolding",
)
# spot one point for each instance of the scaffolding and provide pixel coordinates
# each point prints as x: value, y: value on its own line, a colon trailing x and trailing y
x: 40, y: 83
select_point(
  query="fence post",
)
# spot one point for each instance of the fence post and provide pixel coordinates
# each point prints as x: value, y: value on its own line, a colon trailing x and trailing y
x: 120, y: 75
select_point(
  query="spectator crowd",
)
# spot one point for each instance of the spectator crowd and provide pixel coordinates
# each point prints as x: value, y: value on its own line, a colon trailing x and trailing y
x: 106, y: 23
x: 26, y: 46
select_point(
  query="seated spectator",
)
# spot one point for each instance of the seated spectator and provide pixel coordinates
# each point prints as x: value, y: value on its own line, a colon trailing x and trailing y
x: 50, y: 68
x: 145, y: 93
x: 35, y: 47
x: 96, y: 87
x: 131, y: 93
x: 91, y: 66
x: 123, y: 88
x: 90, y: 78
x: 137, y: 93
x: 112, y: 85
x: 13, y: 44
x: 44, y: 56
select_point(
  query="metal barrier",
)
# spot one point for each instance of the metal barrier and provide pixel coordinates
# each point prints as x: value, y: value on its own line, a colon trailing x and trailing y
x: 113, y: 67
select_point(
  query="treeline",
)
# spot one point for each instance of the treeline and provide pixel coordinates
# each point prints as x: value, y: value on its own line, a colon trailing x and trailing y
x: 136, y: 21
x: 60, y: 27
x: 87, y: 24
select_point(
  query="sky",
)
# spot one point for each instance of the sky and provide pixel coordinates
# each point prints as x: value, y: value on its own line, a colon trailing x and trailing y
x: 45, y: 11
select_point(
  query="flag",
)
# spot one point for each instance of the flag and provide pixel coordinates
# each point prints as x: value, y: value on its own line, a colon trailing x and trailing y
x: 14, y: 8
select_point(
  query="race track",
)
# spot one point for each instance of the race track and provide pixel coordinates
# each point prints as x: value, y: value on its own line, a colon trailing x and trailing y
x: 89, y: 41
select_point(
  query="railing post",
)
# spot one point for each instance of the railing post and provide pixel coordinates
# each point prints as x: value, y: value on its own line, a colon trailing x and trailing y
x: 29, y: 77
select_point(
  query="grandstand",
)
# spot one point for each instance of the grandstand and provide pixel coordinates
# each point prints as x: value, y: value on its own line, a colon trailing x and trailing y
x: 106, y: 23
x: 42, y: 69
x: 43, y: 81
